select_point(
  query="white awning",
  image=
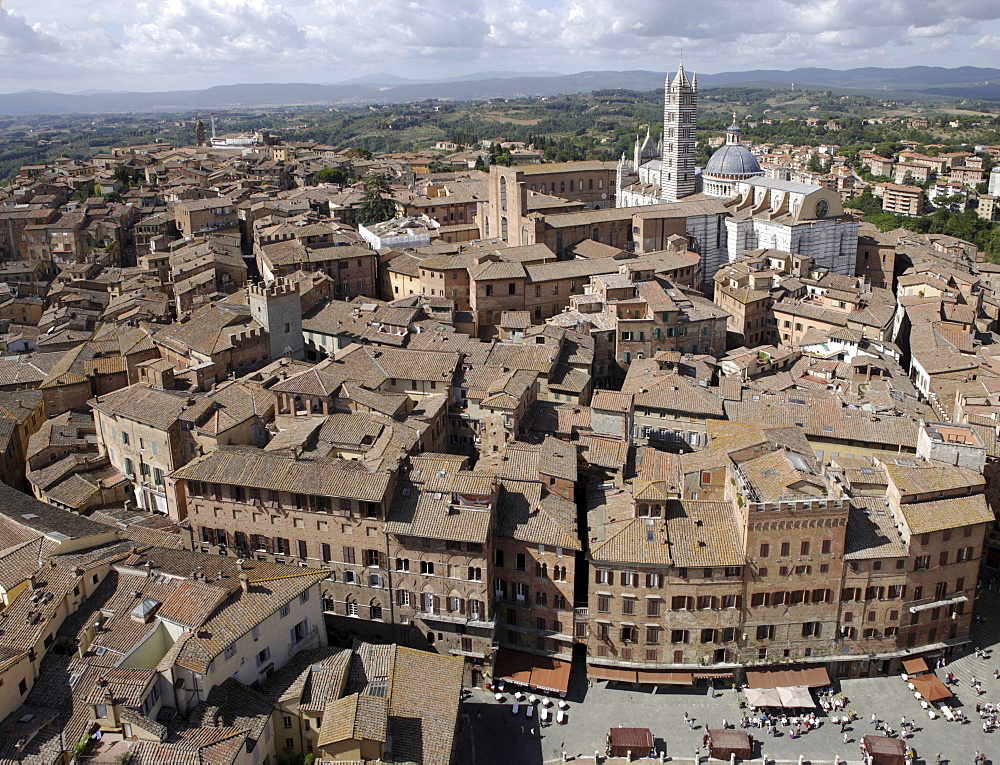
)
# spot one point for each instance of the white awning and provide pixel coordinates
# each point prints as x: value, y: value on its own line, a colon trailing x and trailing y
x: 939, y: 603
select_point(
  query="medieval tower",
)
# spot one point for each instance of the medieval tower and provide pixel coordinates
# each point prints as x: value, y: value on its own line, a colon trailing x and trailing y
x: 680, y: 104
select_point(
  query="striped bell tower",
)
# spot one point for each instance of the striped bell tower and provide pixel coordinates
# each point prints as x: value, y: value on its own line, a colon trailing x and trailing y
x: 680, y: 106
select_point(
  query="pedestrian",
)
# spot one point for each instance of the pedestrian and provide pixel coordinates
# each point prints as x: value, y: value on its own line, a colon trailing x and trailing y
x: 996, y: 674
x: 874, y: 719
x: 937, y: 759
x: 846, y: 738
x: 687, y: 717
x: 902, y: 722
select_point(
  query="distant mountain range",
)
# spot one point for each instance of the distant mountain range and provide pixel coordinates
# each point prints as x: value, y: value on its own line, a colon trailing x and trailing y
x: 937, y: 82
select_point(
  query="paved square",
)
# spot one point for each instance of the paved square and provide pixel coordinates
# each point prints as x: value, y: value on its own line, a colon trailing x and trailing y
x: 501, y: 737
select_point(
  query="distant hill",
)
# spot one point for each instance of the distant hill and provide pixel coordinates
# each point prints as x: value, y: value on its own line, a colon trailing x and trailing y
x: 961, y: 82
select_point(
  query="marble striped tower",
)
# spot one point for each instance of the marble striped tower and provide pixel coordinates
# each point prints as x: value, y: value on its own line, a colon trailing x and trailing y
x: 680, y: 105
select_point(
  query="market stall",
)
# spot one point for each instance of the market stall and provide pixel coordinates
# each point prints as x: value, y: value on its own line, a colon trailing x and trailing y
x: 884, y: 750
x: 724, y: 744
x: 638, y: 741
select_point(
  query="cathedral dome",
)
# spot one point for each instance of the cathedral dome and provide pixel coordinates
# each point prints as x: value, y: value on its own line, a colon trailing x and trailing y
x: 732, y: 159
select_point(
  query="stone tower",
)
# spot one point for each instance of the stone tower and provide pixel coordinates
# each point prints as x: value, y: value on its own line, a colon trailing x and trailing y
x: 680, y: 105
x: 278, y: 308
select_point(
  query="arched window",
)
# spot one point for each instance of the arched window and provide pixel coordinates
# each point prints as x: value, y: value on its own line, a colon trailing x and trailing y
x: 503, y: 228
x: 503, y: 193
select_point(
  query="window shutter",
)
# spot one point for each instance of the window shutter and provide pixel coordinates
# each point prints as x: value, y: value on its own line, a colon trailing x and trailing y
x: 437, y: 604
x: 597, y: 576
x: 461, y: 606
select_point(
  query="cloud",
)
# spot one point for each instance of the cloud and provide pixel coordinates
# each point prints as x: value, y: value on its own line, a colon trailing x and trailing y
x: 195, y: 43
x: 18, y: 38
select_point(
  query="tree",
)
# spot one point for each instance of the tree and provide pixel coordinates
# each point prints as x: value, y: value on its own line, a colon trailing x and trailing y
x: 199, y: 133
x: 480, y: 165
x: 376, y: 204
x: 815, y: 165
x: 331, y: 175
x: 363, y: 153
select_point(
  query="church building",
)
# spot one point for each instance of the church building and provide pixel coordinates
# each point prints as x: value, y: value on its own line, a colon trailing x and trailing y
x: 760, y: 212
x: 730, y: 163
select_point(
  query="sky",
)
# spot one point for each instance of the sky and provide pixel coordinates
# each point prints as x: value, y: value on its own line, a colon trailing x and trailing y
x: 72, y: 46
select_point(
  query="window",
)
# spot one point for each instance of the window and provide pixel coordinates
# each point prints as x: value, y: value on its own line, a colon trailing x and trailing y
x: 489, y: 290
x: 286, y: 722
x: 765, y: 632
x: 426, y: 567
x: 520, y: 562
x: 304, y: 597
x: 349, y: 555
x: 498, y: 557
x: 652, y: 607
x: 811, y: 629
x: 827, y: 546
x: 653, y: 581
x: 475, y: 574
x: 602, y: 576
x: 603, y: 604
x: 786, y: 549
x: 922, y: 562
x: 285, y: 610
x: 964, y: 554
x: 804, y: 548
x: 765, y: 550
x: 263, y: 655
x: 678, y: 636
x: 628, y: 606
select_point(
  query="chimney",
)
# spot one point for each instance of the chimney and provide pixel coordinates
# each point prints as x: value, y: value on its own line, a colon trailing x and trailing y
x: 244, y: 583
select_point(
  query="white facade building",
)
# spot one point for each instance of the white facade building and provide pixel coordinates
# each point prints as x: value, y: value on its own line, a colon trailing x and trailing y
x: 994, y: 182
x: 795, y: 217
